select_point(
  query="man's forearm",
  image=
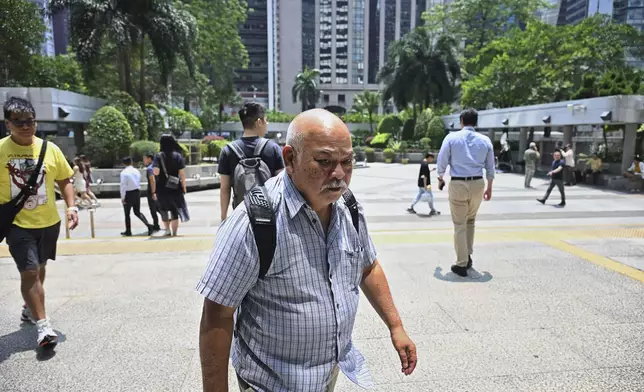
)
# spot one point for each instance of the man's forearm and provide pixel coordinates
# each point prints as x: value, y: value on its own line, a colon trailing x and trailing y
x: 67, y: 191
x: 376, y: 288
x: 224, y: 200
x: 490, y: 181
x: 215, y: 337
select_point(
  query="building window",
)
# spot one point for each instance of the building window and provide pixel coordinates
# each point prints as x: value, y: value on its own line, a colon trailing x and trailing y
x: 326, y: 40
x: 374, y: 40
x: 405, y: 16
x: 421, y: 6
x: 308, y: 34
x: 325, y: 98
x: 357, y: 57
x: 341, y: 98
x: 390, y: 24
x: 341, y: 41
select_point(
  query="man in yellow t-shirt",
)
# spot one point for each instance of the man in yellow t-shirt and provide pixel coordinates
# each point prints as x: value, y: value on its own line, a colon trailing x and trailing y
x: 32, y: 237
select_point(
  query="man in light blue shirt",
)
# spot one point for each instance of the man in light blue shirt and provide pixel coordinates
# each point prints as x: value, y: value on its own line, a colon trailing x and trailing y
x: 468, y: 153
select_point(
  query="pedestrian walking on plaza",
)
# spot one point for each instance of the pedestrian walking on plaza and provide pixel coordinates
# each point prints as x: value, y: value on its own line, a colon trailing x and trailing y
x: 531, y: 158
x: 294, y: 256
x: 170, y: 184
x: 29, y: 220
x: 467, y: 153
x: 569, y: 168
x: 425, y: 186
x: 556, y: 178
x: 89, y: 179
x: 80, y: 186
x: 131, y: 196
x: 248, y: 161
x: 151, y: 193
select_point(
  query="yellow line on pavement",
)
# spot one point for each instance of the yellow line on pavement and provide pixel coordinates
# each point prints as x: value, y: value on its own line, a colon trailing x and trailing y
x: 597, y: 259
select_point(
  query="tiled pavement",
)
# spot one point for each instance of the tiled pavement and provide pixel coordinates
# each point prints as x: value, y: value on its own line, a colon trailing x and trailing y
x: 556, y: 303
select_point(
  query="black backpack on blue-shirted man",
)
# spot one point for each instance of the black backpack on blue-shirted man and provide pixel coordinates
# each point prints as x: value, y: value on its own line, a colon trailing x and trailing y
x: 249, y: 171
x: 261, y: 213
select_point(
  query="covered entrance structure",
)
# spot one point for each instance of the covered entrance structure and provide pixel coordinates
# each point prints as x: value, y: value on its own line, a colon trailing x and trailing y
x: 579, y: 122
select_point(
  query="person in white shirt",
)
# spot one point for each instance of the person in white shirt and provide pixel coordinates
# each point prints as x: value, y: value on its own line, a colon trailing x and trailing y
x: 635, y: 174
x: 131, y: 196
x: 569, y: 168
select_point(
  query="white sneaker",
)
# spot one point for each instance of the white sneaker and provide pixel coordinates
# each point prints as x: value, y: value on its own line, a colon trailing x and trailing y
x: 27, y: 316
x: 46, y: 335
x: 168, y: 233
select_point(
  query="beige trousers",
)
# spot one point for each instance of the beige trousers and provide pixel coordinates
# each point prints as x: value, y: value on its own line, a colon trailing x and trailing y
x: 243, y: 387
x: 464, y: 200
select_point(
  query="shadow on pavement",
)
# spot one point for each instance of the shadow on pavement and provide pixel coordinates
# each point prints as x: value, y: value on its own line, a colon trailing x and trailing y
x: 473, y: 276
x: 24, y: 340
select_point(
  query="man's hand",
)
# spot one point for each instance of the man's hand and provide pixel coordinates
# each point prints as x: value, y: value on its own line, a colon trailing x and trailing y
x: 406, y: 350
x: 487, y: 195
x: 549, y: 174
x: 154, y: 196
x: 72, y: 219
x: 428, y: 187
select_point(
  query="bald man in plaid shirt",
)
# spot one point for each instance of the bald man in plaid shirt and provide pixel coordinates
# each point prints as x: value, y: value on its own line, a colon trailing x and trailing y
x: 293, y: 329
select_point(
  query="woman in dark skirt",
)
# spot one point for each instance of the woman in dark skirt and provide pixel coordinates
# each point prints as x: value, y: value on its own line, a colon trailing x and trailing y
x: 170, y: 184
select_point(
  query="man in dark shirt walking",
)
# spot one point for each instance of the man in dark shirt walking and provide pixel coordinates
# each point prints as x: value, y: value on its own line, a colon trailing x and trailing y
x: 424, y: 186
x: 556, y: 179
x: 253, y: 118
x: 151, y: 193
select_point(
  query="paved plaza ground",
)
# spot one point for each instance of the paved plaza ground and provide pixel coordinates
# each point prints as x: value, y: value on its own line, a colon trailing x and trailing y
x: 556, y: 302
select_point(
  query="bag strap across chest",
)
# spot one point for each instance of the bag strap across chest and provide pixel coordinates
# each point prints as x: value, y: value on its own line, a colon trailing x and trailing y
x: 261, y: 212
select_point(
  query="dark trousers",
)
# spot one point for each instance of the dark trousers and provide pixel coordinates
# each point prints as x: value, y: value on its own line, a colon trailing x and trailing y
x: 559, y: 184
x: 133, y: 202
x: 569, y: 175
x: 592, y: 177
x: 154, y: 210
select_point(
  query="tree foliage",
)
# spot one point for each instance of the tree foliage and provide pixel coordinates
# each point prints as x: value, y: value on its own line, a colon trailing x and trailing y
x: 421, y: 70
x: 391, y: 125
x: 124, y: 103
x: 180, y: 121
x: 305, y: 88
x: 154, y: 119
x: 61, y: 72
x: 367, y: 102
x: 110, y: 134
x: 21, y: 33
x: 547, y: 64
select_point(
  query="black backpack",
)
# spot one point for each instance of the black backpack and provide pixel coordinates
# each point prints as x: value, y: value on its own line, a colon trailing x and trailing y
x: 262, y: 219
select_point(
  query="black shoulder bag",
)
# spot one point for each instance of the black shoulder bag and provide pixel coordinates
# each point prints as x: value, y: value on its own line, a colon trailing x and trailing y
x: 9, y: 210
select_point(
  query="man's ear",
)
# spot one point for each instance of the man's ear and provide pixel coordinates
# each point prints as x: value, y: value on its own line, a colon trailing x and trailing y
x: 289, y: 157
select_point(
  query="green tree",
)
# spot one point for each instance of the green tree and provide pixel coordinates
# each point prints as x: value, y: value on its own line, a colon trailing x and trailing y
x: 21, y: 33
x: 109, y: 131
x: 61, y: 72
x: 391, y: 125
x: 219, y: 48
x: 476, y: 23
x: 170, y: 29
x: 154, y: 119
x: 180, y: 121
x: 421, y: 70
x: 124, y: 103
x: 436, y: 132
x: 367, y: 102
x: 547, y: 64
x: 305, y: 88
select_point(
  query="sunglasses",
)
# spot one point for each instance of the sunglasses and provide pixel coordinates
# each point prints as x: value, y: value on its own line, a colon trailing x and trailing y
x: 21, y: 123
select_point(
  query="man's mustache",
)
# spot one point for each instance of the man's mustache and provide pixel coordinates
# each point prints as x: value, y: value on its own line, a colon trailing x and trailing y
x: 336, y: 184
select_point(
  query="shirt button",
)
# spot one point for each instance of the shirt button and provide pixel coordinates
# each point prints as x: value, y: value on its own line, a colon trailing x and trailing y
x: 337, y: 306
x: 339, y: 334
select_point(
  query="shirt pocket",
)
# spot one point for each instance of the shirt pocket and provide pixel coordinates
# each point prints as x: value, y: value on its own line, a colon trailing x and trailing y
x: 351, y: 265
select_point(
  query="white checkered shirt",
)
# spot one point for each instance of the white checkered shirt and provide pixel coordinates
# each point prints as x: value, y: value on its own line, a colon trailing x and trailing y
x: 294, y: 325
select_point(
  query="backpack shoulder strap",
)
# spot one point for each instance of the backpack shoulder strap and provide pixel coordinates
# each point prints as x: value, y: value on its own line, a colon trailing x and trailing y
x: 237, y: 149
x: 262, y: 219
x: 41, y: 159
x: 261, y: 143
x: 352, y: 204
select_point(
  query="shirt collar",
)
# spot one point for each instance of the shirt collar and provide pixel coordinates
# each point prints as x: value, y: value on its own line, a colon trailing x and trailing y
x: 293, y: 198
x: 468, y: 128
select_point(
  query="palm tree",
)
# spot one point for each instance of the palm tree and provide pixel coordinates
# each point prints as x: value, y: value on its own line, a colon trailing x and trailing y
x: 170, y: 30
x: 421, y: 69
x: 368, y: 102
x: 306, y: 88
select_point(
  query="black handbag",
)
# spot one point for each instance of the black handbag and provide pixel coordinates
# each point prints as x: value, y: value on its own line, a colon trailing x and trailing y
x: 172, y: 182
x: 9, y: 210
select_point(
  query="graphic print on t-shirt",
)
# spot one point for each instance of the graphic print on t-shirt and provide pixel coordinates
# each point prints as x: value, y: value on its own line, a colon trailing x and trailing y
x: 20, y: 170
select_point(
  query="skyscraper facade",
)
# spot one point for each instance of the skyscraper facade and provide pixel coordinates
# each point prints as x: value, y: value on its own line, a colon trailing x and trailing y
x: 347, y: 40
